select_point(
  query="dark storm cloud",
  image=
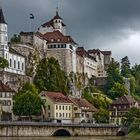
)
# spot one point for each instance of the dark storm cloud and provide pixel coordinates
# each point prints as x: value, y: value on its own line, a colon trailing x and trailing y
x: 93, y: 23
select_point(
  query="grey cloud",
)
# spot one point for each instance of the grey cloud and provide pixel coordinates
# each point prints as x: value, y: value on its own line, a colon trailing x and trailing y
x: 93, y: 23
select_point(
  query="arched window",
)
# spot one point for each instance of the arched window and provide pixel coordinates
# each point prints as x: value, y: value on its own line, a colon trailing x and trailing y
x: 10, y: 62
x: 14, y: 63
x: 18, y: 65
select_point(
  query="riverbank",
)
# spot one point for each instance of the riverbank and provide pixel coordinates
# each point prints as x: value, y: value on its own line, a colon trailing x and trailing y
x: 134, y: 133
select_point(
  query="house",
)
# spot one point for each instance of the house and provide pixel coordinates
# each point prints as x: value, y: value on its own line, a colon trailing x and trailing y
x: 6, y: 102
x: 58, y: 107
x: 83, y: 111
x: 120, y: 107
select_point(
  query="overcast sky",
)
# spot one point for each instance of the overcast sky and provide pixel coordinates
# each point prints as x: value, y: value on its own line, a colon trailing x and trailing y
x: 105, y: 24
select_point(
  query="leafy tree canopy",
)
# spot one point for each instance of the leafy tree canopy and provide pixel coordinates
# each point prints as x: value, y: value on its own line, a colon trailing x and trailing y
x: 27, y: 101
x: 15, y: 38
x: 125, y: 67
x: 49, y: 76
x: 3, y: 63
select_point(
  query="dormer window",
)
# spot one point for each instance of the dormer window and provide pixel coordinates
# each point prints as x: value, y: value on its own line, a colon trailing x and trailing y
x: 58, y: 39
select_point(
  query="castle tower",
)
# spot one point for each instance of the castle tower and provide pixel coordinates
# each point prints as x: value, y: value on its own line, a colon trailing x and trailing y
x: 57, y: 22
x: 3, y: 36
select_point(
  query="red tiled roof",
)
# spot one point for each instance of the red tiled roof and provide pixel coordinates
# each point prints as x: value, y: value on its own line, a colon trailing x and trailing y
x: 124, y: 100
x: 5, y: 88
x: 57, y: 37
x: 83, y: 104
x: 57, y: 97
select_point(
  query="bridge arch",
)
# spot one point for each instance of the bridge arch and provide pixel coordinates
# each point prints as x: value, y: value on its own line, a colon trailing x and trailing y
x: 62, y: 132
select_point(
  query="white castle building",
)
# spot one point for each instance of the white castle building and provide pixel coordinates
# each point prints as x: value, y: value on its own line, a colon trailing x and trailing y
x: 15, y: 59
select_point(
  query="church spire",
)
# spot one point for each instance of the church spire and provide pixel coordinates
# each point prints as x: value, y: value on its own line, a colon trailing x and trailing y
x: 2, y: 20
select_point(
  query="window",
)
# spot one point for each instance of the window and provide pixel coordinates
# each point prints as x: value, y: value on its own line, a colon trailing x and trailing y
x: 56, y: 107
x: 63, y: 107
x: 66, y: 115
x: 63, y: 114
x: 10, y: 62
x: 56, y: 114
x: 18, y: 65
x: 69, y: 115
x: 66, y: 107
x: 69, y: 107
x: 14, y: 63
x: 60, y: 107
x: 8, y: 103
x: 59, y: 114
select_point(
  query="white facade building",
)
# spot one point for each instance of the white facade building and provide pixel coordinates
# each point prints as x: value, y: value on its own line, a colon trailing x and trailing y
x: 16, y: 60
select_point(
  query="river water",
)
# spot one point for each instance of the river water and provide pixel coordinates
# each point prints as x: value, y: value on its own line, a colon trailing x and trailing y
x: 70, y: 138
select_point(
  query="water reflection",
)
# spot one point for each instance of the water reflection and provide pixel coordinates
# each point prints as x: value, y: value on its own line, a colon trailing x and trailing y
x: 69, y: 138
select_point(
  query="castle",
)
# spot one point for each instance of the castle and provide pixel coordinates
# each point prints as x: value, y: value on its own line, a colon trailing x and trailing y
x: 50, y: 40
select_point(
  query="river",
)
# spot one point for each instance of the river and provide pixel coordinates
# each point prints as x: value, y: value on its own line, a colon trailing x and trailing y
x: 70, y: 138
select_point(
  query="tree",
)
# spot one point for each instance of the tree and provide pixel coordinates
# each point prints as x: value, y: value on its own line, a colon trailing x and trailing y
x: 117, y: 91
x: 50, y: 77
x: 15, y: 38
x: 27, y: 102
x: 102, y: 116
x: 133, y: 119
x: 125, y: 67
x: 114, y: 80
x: 3, y: 63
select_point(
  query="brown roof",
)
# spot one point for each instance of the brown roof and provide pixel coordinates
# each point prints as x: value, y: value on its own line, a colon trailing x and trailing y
x: 50, y: 23
x: 57, y: 97
x: 83, y: 104
x: 5, y: 88
x: 124, y: 100
x: 82, y: 52
x: 57, y: 37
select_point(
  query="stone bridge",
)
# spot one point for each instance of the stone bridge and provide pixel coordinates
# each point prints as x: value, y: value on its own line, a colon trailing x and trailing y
x: 41, y: 129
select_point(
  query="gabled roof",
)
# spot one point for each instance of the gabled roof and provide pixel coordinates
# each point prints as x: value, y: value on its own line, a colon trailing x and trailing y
x: 5, y: 88
x: 50, y: 23
x: 56, y: 97
x: 57, y: 37
x: 94, y: 51
x: 124, y: 100
x: 83, y: 104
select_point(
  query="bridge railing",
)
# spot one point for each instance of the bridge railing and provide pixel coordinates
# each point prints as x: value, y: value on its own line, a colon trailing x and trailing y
x: 57, y: 124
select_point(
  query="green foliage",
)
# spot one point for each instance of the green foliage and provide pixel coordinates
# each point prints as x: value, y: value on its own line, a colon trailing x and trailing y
x: 115, y: 81
x: 132, y: 119
x: 50, y: 77
x: 3, y: 63
x: 117, y: 90
x: 15, y: 38
x: 99, y: 100
x: 125, y: 67
x: 102, y: 116
x: 27, y: 102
